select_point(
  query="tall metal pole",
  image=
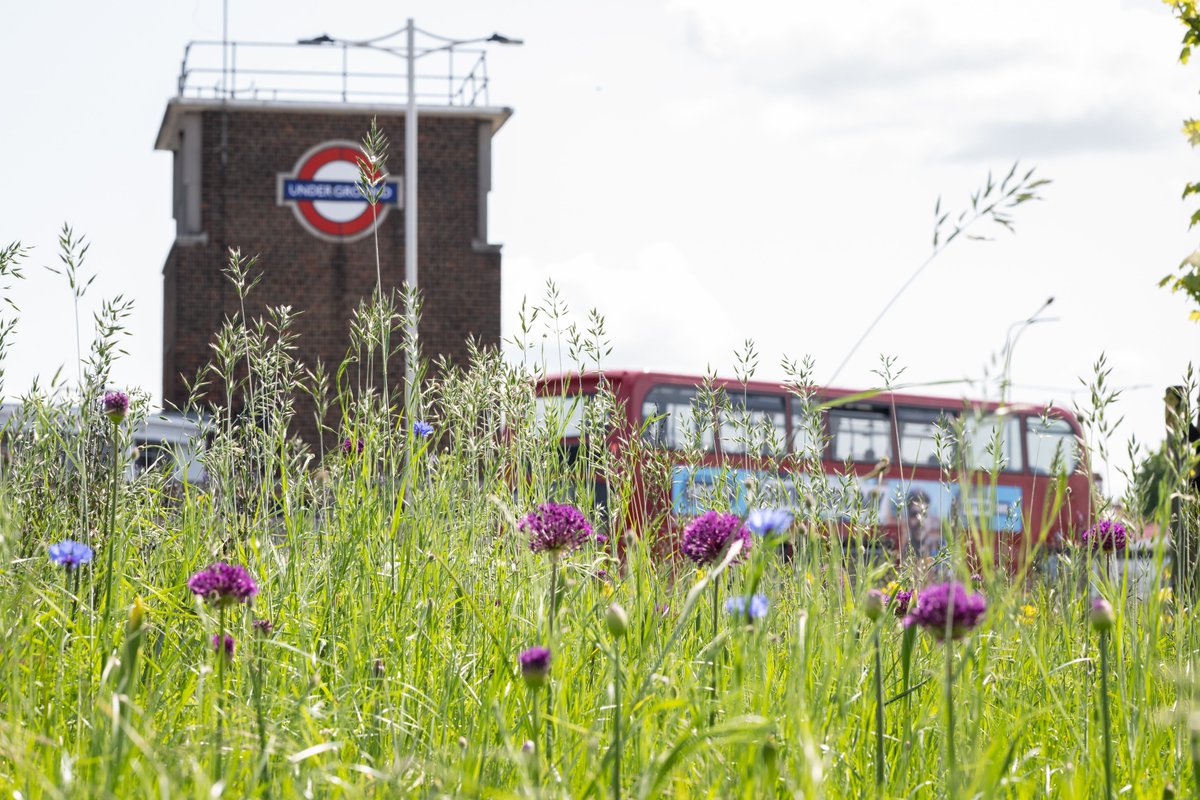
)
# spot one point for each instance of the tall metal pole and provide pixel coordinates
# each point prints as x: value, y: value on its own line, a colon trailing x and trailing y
x: 225, y: 49
x: 410, y: 227
x: 1010, y: 342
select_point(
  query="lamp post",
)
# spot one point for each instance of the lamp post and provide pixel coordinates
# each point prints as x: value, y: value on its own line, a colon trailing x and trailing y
x: 410, y: 54
x: 1010, y: 341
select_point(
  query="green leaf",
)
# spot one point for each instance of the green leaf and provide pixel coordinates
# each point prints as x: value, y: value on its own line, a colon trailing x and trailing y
x: 749, y: 729
x: 1191, y: 129
x: 907, y: 643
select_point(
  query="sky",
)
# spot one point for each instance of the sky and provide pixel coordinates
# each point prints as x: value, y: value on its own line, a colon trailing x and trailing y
x: 702, y: 173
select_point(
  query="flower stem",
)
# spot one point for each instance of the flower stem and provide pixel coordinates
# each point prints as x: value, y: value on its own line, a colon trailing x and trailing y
x: 1108, y: 781
x: 951, y: 778
x: 258, y: 701
x: 220, y: 651
x: 553, y: 649
x: 73, y: 588
x: 712, y: 712
x: 536, y: 754
x: 878, y: 714
x: 616, y: 775
x: 110, y: 544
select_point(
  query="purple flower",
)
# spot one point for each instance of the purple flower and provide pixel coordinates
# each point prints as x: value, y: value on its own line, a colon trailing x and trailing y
x: 229, y: 644
x: 751, y: 609
x: 115, y: 405
x: 706, y: 537
x: 535, y: 666
x: 1102, y: 616
x: 70, y: 553
x: 352, y: 446
x: 934, y: 603
x: 223, y: 585
x: 262, y: 627
x: 903, y: 598
x: 769, y: 522
x: 422, y: 428
x: 555, y: 529
x: 1106, y: 537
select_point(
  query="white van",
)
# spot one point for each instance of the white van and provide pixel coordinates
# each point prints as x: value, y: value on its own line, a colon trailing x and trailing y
x: 162, y: 434
x: 174, y: 435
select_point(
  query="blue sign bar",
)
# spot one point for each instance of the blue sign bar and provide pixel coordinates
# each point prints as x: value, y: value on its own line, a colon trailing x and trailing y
x: 337, y: 191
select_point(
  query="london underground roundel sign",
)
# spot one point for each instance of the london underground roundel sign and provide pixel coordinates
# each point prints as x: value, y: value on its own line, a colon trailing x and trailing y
x: 323, y: 192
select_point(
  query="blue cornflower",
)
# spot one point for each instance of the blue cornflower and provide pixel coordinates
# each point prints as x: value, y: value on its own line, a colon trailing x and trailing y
x: 422, y: 428
x: 769, y: 522
x: 70, y: 553
x: 752, y: 608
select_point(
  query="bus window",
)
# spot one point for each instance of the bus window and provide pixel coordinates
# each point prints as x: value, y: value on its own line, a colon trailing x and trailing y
x: 806, y: 430
x: 916, y: 432
x: 860, y: 435
x: 563, y: 413
x: 981, y: 441
x: 671, y: 419
x: 1051, y: 445
x: 753, y: 423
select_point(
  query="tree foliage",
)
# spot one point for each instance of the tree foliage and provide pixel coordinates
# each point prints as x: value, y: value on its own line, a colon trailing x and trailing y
x: 1186, y: 278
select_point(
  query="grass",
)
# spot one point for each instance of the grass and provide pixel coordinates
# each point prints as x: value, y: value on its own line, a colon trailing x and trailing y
x: 400, y: 591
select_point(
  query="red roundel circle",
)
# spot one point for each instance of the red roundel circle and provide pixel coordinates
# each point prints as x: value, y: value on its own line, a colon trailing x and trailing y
x: 323, y: 192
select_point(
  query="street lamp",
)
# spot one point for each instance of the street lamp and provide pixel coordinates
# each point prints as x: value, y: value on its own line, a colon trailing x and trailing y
x: 1010, y: 341
x: 410, y: 54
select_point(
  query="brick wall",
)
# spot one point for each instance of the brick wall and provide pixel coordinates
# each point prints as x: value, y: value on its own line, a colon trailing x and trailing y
x: 242, y: 153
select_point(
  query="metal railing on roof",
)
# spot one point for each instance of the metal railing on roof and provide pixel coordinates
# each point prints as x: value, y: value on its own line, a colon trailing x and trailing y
x: 338, y: 72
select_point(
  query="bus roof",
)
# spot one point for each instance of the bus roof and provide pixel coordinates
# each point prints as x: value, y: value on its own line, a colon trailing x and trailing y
x: 588, y: 379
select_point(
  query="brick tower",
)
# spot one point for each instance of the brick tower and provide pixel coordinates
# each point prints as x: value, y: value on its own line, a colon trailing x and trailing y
x: 272, y: 172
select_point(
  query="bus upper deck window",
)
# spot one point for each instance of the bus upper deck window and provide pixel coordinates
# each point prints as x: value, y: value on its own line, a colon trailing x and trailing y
x: 993, y: 443
x: 672, y: 420
x: 564, y: 414
x: 860, y: 435
x: 1051, y: 445
x: 917, y: 434
x: 807, y: 428
x: 754, y: 423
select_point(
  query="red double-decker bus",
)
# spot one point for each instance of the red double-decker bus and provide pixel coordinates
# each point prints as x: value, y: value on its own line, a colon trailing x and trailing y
x: 907, y: 472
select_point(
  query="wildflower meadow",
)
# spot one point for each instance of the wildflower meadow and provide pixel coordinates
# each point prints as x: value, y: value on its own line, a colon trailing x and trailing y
x: 431, y: 602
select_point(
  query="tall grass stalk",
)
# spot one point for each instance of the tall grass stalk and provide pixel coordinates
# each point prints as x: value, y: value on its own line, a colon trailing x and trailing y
x: 219, y: 650
x: 110, y: 535
x: 951, y: 767
x: 1104, y: 716
x: 879, y: 719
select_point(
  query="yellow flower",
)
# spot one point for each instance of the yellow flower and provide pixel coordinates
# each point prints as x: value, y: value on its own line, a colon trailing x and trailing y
x: 1028, y: 614
x: 606, y: 590
x: 1165, y: 595
x: 891, y: 589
